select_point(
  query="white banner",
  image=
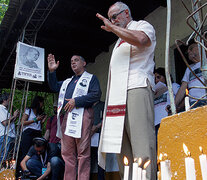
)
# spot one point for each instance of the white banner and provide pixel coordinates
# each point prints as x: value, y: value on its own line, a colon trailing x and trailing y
x: 30, y: 63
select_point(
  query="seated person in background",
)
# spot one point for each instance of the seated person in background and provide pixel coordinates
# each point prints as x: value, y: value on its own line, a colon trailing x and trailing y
x: 4, y: 120
x: 189, y: 80
x: 51, y: 127
x: 162, y: 99
x: 43, y: 160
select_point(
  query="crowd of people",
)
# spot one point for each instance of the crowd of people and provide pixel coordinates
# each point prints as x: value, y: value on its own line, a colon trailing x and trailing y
x: 134, y: 108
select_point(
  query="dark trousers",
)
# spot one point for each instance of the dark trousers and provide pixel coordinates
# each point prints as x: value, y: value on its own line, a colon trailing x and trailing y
x: 35, y: 166
x: 94, y: 162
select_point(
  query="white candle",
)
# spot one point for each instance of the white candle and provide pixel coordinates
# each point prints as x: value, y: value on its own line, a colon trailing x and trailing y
x: 139, y: 175
x: 187, y: 102
x: 190, y: 168
x: 135, y: 170
x: 203, y: 164
x: 126, y: 168
x: 144, y: 174
x: 189, y: 165
x: 165, y: 170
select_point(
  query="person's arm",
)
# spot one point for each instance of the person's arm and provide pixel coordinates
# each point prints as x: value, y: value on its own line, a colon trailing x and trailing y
x: 93, y: 95
x: 48, y: 128
x: 54, y: 84
x: 25, y: 121
x: 44, y: 119
x: 95, y: 128
x: 6, y: 121
x: 47, y: 134
x: 181, y: 93
x: 136, y: 38
x: 47, y: 172
x: 23, y: 162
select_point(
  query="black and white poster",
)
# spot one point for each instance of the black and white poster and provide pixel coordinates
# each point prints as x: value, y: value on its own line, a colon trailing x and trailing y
x: 29, y: 63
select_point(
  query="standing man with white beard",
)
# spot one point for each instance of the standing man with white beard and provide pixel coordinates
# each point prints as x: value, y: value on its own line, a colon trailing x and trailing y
x: 128, y: 125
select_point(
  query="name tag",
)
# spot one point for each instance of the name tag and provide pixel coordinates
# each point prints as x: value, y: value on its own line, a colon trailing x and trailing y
x: 43, y: 170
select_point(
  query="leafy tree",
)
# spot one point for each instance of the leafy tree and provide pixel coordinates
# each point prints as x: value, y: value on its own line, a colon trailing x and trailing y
x: 3, y: 7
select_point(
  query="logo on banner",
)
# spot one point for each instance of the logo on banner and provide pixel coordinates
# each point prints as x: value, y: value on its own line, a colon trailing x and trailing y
x: 74, y: 115
x: 83, y: 83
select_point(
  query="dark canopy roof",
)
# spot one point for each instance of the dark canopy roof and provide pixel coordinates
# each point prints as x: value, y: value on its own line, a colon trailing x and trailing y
x: 65, y: 27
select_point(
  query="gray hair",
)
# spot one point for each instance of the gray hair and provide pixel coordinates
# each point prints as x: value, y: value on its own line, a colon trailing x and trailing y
x: 122, y: 6
x: 82, y: 58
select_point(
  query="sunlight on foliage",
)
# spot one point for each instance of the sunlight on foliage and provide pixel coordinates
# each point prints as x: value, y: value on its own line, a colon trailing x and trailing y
x: 3, y: 8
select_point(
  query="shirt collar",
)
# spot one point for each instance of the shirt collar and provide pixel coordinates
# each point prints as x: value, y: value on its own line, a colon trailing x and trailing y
x: 1, y: 105
x: 129, y: 24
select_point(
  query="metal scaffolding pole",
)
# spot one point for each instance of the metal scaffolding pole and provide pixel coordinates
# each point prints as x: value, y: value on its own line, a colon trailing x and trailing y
x: 37, y: 17
x: 167, y: 71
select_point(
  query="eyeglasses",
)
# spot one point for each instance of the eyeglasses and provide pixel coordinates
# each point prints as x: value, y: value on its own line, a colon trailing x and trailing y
x: 115, y: 15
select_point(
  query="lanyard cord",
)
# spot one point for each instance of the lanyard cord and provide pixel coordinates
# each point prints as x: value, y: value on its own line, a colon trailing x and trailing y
x: 43, y: 162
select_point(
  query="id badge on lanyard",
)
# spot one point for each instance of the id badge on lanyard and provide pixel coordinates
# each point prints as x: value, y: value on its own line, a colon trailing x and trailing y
x: 44, y: 167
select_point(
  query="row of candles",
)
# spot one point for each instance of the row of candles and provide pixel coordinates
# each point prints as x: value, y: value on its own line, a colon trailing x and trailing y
x: 10, y: 164
x: 140, y: 174
x: 189, y: 165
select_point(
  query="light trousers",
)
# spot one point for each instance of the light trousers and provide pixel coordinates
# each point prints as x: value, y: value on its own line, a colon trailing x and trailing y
x: 139, y: 132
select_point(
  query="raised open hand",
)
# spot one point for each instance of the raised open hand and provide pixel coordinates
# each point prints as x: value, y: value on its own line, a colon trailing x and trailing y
x: 107, y: 24
x: 52, y: 65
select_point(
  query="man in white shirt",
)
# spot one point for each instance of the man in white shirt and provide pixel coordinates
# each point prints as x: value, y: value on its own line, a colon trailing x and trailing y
x: 4, y: 120
x: 189, y: 80
x: 138, y: 138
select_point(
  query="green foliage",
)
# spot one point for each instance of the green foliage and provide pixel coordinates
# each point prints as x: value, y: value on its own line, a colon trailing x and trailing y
x: 18, y: 98
x: 3, y: 7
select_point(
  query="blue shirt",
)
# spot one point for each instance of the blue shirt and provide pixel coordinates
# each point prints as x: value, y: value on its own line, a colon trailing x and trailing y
x: 94, y: 90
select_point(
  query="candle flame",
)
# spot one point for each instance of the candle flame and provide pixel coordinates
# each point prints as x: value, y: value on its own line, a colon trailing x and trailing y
x: 126, y: 162
x: 201, y: 149
x: 185, y: 148
x: 139, y: 161
x: 135, y: 160
x: 186, y: 92
x: 147, y: 164
x: 165, y: 155
x: 160, y: 157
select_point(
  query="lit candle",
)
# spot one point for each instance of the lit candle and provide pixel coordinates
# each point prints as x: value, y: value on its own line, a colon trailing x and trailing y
x: 165, y: 168
x: 144, y: 172
x: 187, y: 102
x: 203, y: 164
x: 135, y: 170
x: 139, y: 176
x: 13, y: 162
x: 7, y: 164
x: 189, y: 165
x: 126, y: 168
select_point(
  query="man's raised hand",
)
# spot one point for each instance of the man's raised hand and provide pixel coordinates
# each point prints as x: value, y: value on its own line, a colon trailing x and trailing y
x: 107, y: 24
x: 52, y: 65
